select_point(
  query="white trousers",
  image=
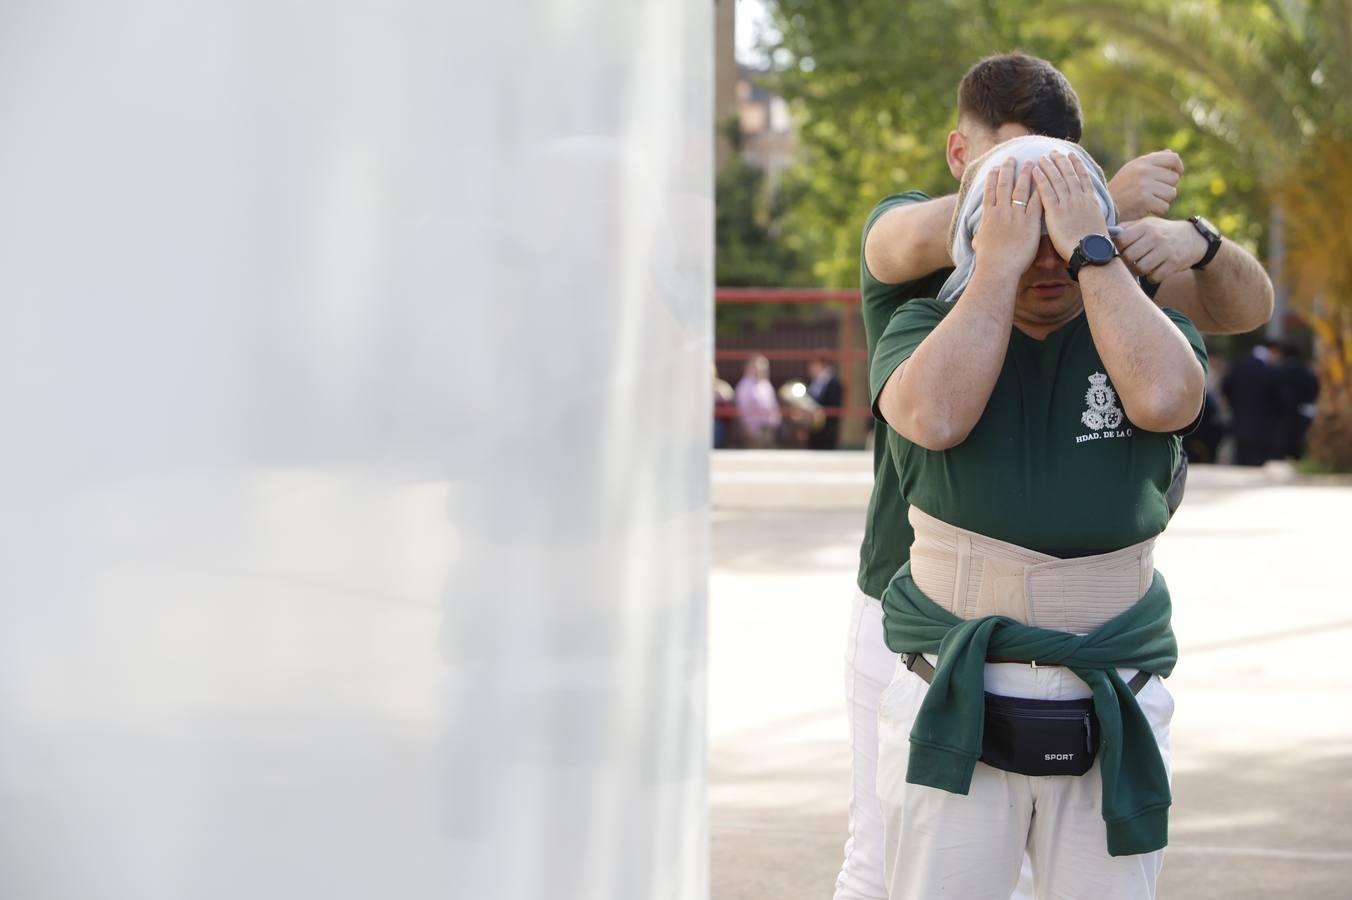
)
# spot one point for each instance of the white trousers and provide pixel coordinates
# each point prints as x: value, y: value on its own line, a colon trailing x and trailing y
x: 869, y: 667
x: 939, y: 844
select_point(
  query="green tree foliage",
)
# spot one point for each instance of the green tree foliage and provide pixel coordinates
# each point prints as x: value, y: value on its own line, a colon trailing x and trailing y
x: 874, y: 84
x: 751, y: 247
x: 1253, y: 94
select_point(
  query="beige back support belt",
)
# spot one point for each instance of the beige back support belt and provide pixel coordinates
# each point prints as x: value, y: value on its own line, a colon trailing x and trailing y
x: 972, y: 575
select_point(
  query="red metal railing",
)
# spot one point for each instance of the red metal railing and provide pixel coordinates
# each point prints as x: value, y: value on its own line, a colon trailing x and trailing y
x: 846, y: 354
x: 784, y: 295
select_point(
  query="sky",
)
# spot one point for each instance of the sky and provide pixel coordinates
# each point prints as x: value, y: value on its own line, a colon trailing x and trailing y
x: 751, y: 17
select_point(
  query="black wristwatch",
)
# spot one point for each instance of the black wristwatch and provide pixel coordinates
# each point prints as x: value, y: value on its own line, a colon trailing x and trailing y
x: 1093, y: 250
x: 1213, y: 239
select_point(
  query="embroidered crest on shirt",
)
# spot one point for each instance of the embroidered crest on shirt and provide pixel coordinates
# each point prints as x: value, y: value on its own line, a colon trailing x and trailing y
x: 1103, y: 411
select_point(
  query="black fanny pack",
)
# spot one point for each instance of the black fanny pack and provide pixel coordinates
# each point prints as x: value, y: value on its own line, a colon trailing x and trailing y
x: 1039, y: 737
x: 1036, y: 737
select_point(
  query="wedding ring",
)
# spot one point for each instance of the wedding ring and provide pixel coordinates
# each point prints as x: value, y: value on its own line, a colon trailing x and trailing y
x: 1019, y: 202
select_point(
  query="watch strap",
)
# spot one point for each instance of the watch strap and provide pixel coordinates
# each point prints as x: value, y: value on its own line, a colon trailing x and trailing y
x: 1213, y: 242
x: 1079, y: 260
x: 1075, y: 264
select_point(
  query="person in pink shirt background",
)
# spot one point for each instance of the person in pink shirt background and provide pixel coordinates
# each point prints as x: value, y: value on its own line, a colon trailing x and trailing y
x: 757, y: 404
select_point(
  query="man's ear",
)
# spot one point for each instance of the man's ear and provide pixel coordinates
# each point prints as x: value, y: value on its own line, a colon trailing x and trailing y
x: 957, y: 153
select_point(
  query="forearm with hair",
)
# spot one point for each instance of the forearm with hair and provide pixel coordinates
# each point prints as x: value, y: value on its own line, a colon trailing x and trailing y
x: 1151, y: 364
x: 1232, y: 295
x: 908, y: 242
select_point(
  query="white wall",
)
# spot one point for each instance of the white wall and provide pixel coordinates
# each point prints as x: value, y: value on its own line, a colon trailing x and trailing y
x: 354, y: 360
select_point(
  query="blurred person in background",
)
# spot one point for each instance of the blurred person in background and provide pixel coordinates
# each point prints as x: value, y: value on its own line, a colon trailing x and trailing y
x: 1252, y: 387
x: 724, y: 407
x: 800, y: 415
x: 1203, y: 445
x: 826, y: 389
x: 1300, y: 390
x: 757, y: 404
x: 905, y: 256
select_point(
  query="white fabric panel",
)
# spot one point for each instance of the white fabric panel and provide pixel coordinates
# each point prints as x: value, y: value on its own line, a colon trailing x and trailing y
x: 353, y: 489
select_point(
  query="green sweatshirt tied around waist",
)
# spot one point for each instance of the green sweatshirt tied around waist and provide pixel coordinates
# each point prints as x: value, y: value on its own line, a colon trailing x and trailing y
x: 946, y: 737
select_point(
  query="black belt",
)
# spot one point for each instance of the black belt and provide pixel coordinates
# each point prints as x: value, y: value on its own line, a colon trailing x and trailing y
x: 920, y: 666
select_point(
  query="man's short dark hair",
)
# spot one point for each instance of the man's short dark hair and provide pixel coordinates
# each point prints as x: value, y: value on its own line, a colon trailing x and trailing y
x: 1014, y: 88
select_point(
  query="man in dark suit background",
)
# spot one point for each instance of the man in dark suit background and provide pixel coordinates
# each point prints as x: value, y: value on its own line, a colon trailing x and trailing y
x: 1300, y: 389
x: 1254, y: 393
x: 826, y: 389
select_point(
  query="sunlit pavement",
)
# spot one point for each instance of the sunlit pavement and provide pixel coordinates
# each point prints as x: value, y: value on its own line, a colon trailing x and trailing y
x: 1261, y: 574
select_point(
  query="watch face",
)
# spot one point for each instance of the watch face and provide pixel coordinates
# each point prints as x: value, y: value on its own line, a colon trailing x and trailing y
x: 1097, y: 249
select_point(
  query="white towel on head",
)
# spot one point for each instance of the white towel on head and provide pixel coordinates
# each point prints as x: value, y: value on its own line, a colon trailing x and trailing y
x: 967, y: 218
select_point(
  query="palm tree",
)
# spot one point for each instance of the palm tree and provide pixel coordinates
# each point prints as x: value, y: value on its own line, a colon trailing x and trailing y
x: 1272, y: 78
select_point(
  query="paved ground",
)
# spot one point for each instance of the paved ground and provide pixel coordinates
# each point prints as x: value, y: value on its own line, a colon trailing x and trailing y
x: 1262, y: 735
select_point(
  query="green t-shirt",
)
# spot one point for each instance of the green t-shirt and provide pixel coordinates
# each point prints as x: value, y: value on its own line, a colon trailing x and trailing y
x: 887, y: 533
x: 1053, y: 464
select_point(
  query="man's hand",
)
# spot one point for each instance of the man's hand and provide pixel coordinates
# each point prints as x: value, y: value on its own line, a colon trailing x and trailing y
x: 1068, y: 196
x: 1011, y: 220
x: 1146, y: 185
x: 1158, y: 248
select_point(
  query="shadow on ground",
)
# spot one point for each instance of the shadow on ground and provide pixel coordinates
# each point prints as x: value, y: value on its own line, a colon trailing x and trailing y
x: 776, y: 831
x: 1261, y: 825
x: 1244, y: 826
x: 776, y: 542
